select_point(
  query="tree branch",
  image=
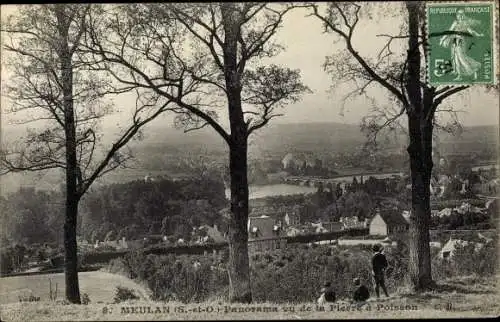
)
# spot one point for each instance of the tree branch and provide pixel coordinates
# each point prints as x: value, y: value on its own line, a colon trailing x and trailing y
x: 347, y: 37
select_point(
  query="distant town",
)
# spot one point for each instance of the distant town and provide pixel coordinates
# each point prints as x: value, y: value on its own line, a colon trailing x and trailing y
x: 330, y: 208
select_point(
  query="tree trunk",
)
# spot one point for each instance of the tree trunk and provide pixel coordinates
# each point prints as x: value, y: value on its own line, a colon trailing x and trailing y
x: 70, y: 248
x: 72, y: 197
x: 420, y: 258
x: 420, y: 152
x: 239, y: 268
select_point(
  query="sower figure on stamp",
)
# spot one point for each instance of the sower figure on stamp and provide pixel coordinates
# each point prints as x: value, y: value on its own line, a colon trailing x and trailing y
x: 463, y: 64
x: 379, y: 264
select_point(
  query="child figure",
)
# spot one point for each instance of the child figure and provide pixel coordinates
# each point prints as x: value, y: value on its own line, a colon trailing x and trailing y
x: 379, y: 264
x: 361, y: 293
x: 327, y: 294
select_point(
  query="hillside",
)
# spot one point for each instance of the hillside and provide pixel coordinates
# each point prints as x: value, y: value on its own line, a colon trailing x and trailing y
x: 473, y: 139
x: 279, y: 139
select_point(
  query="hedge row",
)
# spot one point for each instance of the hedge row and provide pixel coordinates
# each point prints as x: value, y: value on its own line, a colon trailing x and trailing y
x: 104, y: 257
x: 439, y: 205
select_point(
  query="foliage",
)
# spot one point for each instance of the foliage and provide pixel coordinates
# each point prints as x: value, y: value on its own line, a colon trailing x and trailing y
x: 294, y: 274
x: 452, y: 203
x: 469, y: 220
x: 469, y: 259
x: 139, y: 208
x: 118, y: 266
x: 358, y: 203
x: 12, y: 258
x: 53, y: 83
x: 39, y: 216
x: 85, y: 299
x: 326, y: 236
x: 124, y: 294
x: 183, y: 278
x: 29, y: 298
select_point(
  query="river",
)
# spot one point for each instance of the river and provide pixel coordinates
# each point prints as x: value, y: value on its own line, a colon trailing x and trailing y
x: 281, y: 189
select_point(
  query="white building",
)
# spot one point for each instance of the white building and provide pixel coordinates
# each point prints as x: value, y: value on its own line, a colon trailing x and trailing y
x: 448, y: 250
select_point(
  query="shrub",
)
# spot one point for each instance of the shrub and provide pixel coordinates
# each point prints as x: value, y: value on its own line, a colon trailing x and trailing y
x: 118, y: 266
x: 171, y: 277
x: 292, y: 275
x: 298, y: 274
x: 124, y: 294
x: 85, y: 299
x: 95, y: 257
x: 12, y: 258
x: 29, y: 298
x: 468, y: 260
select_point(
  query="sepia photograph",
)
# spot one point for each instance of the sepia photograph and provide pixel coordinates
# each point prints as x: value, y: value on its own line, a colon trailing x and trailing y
x: 249, y: 160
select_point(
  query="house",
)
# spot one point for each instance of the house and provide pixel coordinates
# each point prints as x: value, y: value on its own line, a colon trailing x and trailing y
x: 445, y: 212
x: 468, y: 208
x: 351, y: 222
x: 464, y: 208
x: 313, y: 162
x: 262, y: 227
x: 154, y: 239
x: 448, y: 250
x: 288, y: 161
x: 116, y: 244
x: 437, y: 245
x: 484, y: 238
x: 212, y: 233
x: 318, y: 228
x: 333, y: 226
x: 292, y: 231
x: 264, y: 234
x: 292, y: 216
x: 388, y: 222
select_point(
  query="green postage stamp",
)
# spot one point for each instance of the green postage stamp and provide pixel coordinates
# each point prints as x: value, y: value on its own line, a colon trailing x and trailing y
x: 461, y: 39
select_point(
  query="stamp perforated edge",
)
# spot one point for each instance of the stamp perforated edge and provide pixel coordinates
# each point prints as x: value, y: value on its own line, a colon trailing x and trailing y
x: 494, y: 41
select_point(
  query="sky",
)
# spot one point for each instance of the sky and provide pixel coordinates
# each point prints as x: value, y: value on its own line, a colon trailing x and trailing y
x: 306, y: 47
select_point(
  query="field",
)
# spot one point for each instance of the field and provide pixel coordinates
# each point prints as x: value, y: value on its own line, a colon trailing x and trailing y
x: 100, y: 286
x: 460, y: 297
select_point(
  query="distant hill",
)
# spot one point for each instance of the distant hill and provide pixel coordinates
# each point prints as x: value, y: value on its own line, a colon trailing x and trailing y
x: 276, y: 138
x: 473, y: 139
x: 307, y: 137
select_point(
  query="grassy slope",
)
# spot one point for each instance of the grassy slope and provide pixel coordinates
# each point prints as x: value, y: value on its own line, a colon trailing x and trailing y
x: 99, y: 285
x: 469, y: 297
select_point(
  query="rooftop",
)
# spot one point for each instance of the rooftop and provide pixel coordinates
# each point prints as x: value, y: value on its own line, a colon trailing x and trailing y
x: 393, y: 217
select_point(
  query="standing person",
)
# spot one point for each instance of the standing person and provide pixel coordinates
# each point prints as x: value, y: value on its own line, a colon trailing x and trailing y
x: 379, y: 264
x: 361, y: 293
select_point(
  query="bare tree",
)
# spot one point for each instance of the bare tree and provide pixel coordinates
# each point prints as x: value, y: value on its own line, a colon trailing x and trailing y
x: 404, y: 79
x: 205, y: 58
x: 53, y: 87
